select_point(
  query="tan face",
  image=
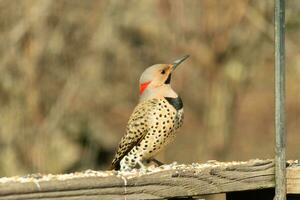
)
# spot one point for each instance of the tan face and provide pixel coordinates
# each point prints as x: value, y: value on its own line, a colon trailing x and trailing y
x: 158, y: 75
x: 155, y: 76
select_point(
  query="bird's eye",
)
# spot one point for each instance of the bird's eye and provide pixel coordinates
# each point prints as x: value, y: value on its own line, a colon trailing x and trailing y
x: 163, y: 72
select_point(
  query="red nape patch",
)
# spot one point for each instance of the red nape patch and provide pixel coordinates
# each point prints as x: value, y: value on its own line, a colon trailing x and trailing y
x: 143, y: 86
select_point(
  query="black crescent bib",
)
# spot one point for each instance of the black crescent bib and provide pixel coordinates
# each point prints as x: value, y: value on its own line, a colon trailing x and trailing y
x: 175, y: 102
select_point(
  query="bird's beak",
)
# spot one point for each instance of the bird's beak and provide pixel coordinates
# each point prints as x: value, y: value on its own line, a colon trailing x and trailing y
x: 178, y: 62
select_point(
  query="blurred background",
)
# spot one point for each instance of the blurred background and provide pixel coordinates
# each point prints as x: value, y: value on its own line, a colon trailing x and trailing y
x: 69, y: 74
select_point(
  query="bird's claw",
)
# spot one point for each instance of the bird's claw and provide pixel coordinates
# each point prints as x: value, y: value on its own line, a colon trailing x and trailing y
x: 156, y: 161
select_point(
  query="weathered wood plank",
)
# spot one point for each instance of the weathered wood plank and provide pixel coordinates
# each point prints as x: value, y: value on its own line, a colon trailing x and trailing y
x: 159, y: 183
x: 293, y: 180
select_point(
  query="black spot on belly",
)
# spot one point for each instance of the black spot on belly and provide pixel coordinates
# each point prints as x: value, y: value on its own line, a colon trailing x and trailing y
x: 175, y: 102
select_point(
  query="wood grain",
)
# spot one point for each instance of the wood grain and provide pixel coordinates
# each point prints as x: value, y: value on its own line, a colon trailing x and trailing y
x: 293, y: 180
x: 160, y: 183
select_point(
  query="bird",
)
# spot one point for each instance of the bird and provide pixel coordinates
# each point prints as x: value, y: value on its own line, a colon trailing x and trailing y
x: 154, y: 121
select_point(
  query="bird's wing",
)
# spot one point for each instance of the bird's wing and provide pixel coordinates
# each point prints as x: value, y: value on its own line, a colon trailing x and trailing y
x: 136, y: 130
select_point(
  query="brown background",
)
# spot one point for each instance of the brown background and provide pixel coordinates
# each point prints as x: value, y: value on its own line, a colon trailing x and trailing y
x: 69, y: 75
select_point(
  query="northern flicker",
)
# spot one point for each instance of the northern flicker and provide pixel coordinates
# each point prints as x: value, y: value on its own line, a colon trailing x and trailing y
x: 154, y: 120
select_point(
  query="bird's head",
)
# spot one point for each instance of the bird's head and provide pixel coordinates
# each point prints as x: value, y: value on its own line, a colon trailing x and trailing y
x: 157, y: 77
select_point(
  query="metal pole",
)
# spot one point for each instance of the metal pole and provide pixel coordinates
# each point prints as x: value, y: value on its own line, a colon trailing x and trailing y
x: 280, y: 162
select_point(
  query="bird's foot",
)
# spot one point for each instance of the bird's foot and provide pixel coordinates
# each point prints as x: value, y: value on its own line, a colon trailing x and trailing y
x: 157, y: 162
x: 143, y: 168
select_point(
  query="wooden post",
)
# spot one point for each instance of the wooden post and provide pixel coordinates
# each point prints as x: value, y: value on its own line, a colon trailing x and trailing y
x: 280, y: 163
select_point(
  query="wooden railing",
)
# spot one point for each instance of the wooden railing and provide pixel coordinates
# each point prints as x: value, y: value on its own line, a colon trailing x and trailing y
x: 253, y: 179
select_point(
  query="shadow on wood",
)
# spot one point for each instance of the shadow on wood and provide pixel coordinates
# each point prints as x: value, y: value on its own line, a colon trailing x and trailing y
x: 265, y: 194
